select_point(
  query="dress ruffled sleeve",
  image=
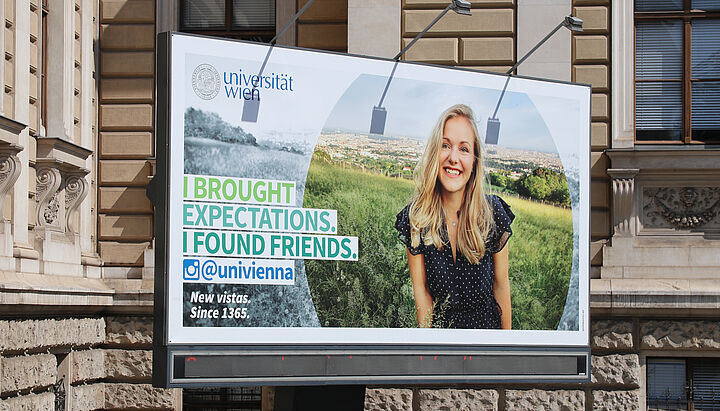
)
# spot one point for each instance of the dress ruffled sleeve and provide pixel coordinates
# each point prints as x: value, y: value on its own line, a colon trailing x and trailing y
x: 402, y: 225
x: 503, y: 216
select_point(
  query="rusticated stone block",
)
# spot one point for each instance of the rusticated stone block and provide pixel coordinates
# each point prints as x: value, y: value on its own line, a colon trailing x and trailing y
x: 696, y: 335
x: 41, y: 334
x: 114, y: 252
x: 390, y: 399
x: 612, y: 335
x: 454, y: 399
x: 616, y: 400
x: 91, y: 331
x: 122, y: 199
x: 87, y: 397
x: 129, y: 331
x: 439, y: 51
x: 596, y: 75
x: 138, y: 396
x: 128, y: 364
x: 544, y: 400
x: 4, y: 325
x: 31, y: 402
x: 87, y: 365
x: 20, y: 335
x: 616, y: 369
x: 27, y: 371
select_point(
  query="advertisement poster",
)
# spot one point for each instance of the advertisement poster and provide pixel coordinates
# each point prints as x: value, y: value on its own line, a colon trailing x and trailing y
x: 287, y: 172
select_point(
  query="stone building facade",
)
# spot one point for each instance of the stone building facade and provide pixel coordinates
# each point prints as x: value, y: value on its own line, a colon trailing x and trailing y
x: 77, y: 151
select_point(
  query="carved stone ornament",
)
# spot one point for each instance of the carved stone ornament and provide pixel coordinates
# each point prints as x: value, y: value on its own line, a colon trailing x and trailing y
x: 623, y: 184
x: 9, y: 173
x: 48, y: 184
x: 76, y: 188
x: 681, y: 207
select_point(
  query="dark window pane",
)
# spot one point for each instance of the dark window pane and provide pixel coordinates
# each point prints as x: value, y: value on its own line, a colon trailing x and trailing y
x: 658, y: 108
x: 706, y: 5
x: 666, y: 384
x: 659, y: 50
x: 706, y: 48
x: 203, y: 14
x: 706, y: 105
x: 253, y: 14
x: 658, y: 5
x: 706, y: 385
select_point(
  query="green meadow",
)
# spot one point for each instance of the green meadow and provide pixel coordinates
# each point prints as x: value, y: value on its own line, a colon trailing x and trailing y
x: 376, y: 291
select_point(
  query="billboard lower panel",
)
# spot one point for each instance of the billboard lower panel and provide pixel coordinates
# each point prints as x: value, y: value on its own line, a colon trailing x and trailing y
x: 293, y: 365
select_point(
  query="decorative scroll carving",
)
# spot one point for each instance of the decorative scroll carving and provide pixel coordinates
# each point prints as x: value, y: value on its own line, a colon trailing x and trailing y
x: 9, y: 173
x: 680, y: 207
x: 623, y: 184
x: 76, y: 188
x: 48, y: 184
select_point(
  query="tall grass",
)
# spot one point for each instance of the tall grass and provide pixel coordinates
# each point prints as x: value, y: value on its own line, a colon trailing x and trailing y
x: 540, y: 263
x: 376, y: 291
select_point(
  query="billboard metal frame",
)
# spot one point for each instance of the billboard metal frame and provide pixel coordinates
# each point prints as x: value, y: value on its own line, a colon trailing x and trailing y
x: 328, y: 357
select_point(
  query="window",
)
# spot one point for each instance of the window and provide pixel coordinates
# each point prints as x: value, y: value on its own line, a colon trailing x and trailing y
x: 238, y: 19
x: 677, y: 71
x: 222, y: 399
x: 683, y: 384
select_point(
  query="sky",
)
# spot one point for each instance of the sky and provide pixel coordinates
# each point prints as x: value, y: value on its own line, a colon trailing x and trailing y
x: 413, y: 108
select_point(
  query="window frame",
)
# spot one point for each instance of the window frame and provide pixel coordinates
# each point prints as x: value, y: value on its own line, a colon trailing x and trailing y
x: 686, y: 15
x: 262, y: 35
x: 690, y: 363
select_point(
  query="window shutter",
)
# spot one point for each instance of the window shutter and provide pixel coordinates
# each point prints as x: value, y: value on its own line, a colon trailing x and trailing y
x: 706, y: 385
x: 659, y: 56
x: 253, y: 14
x: 705, y: 49
x: 705, y: 64
x: 666, y: 384
x: 706, y: 5
x: 658, y: 5
x: 203, y: 14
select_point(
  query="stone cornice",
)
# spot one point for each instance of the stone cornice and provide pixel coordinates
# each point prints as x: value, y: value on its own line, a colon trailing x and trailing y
x: 11, y: 125
x: 67, y: 154
x: 69, y: 295
x: 655, y: 297
x: 654, y: 158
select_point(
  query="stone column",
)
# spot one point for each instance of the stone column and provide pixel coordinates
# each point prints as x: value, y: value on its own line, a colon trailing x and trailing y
x: 27, y: 256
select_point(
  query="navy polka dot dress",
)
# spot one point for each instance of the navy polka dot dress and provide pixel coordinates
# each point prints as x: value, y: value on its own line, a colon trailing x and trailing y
x: 462, y: 293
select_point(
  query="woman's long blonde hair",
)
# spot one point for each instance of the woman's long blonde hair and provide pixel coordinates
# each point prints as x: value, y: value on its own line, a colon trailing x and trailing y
x: 427, y: 214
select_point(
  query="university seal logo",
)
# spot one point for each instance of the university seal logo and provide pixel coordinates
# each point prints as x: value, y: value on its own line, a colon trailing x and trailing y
x: 206, y: 81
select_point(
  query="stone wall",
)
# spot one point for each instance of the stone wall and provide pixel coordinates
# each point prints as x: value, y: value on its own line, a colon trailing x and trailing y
x: 619, y: 348
x: 591, y: 65
x: 81, y: 363
x: 126, y: 139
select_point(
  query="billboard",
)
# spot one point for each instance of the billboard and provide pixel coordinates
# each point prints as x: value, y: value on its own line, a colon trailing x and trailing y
x: 312, y: 206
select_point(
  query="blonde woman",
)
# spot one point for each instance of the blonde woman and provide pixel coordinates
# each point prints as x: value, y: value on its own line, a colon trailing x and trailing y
x: 455, y: 234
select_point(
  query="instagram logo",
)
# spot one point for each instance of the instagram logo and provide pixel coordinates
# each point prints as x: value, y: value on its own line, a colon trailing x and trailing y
x: 191, y: 269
